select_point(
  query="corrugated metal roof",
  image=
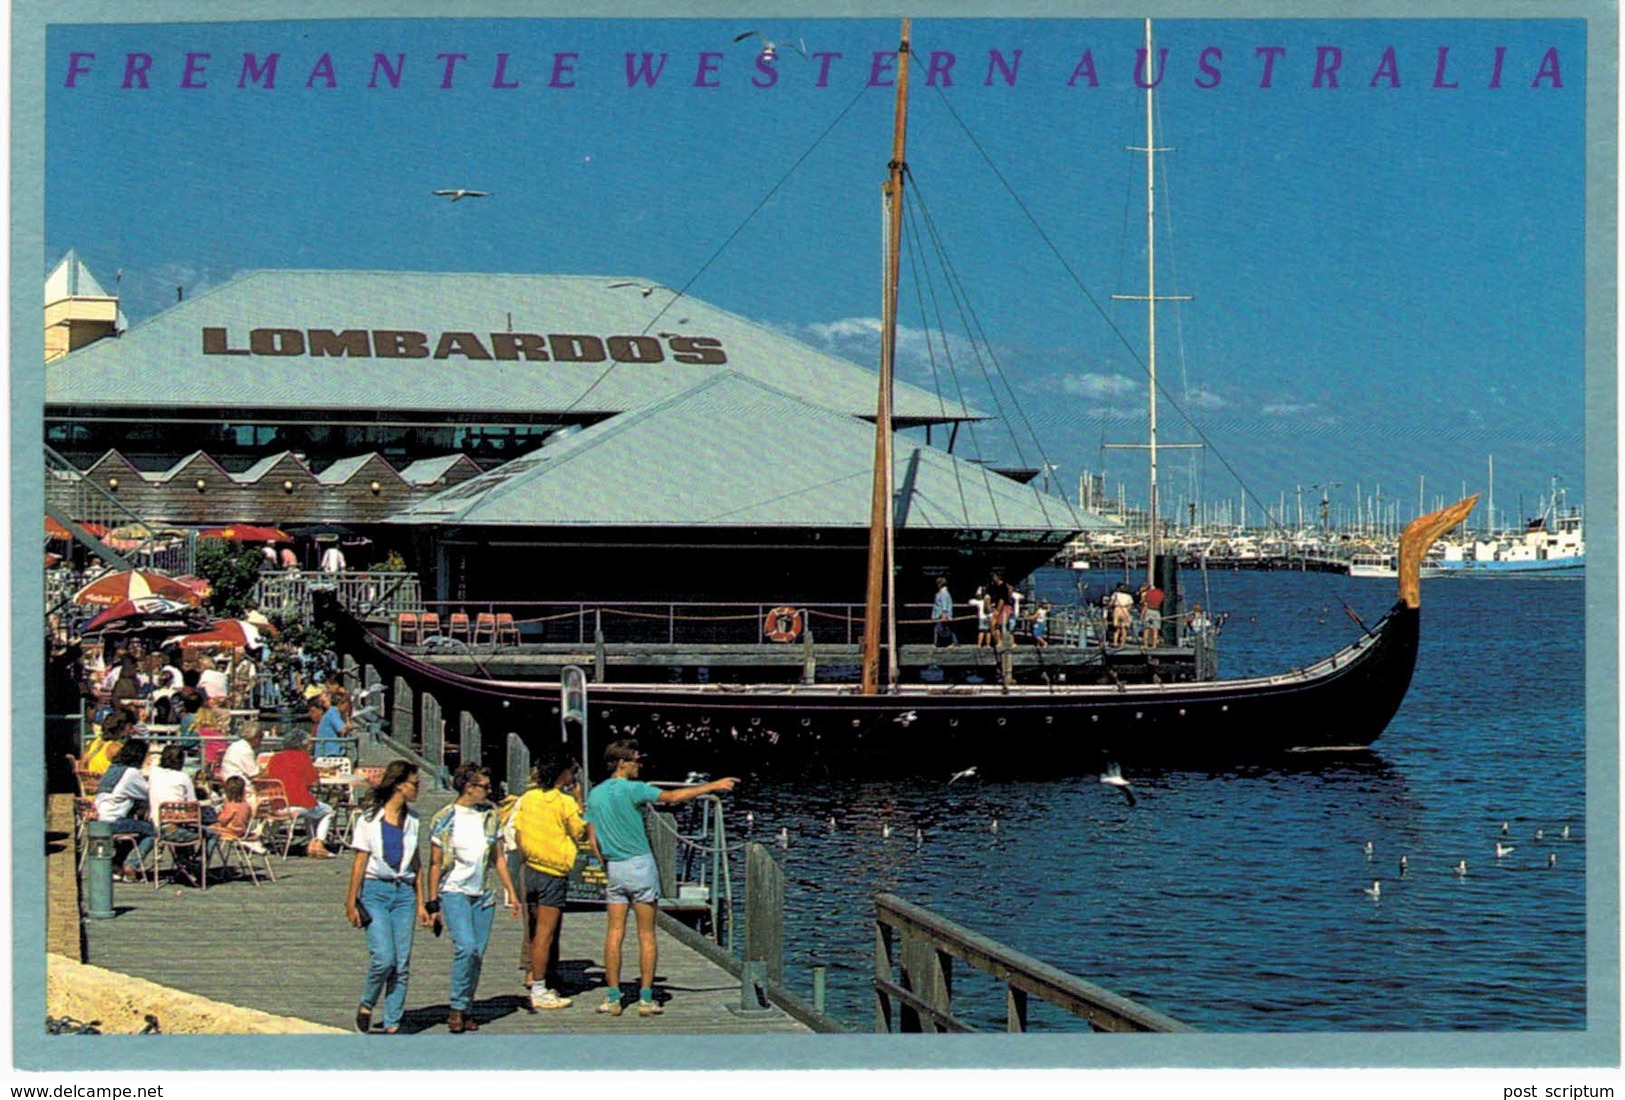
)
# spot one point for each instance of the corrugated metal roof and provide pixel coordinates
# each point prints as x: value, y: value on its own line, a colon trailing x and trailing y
x: 162, y: 362
x: 733, y: 452
x: 427, y: 471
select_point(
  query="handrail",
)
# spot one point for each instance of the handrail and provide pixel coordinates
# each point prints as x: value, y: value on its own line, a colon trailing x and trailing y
x: 925, y: 945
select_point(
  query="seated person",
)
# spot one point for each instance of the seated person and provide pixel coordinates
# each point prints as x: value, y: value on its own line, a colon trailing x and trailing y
x: 296, y: 771
x: 121, y: 799
x: 241, y: 757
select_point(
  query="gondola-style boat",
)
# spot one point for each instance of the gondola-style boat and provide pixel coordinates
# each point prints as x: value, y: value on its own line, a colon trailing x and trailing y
x: 1342, y: 702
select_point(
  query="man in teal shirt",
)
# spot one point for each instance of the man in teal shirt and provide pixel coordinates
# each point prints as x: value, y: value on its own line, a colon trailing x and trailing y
x: 617, y: 838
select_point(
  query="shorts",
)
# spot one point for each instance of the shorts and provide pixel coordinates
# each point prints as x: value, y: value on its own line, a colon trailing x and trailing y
x: 1120, y: 615
x: 633, y: 880
x: 1152, y: 619
x: 542, y: 888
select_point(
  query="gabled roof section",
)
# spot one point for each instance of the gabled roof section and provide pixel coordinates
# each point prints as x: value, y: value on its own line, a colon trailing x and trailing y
x: 733, y: 452
x: 409, y: 342
x: 371, y: 466
x: 195, y: 464
x: 72, y: 279
x: 282, y: 464
x: 428, y: 471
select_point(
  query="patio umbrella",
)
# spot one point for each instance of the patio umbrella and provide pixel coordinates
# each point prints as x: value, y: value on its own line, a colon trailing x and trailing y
x: 200, y: 586
x: 324, y: 532
x: 55, y: 530
x: 225, y: 634
x: 133, y: 535
x: 109, y: 588
x: 246, y: 532
x: 147, y: 613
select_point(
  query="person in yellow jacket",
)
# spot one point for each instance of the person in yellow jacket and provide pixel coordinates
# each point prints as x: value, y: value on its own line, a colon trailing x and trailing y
x: 547, y: 825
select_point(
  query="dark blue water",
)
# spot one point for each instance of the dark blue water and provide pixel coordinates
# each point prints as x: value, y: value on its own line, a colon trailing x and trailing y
x: 1234, y: 901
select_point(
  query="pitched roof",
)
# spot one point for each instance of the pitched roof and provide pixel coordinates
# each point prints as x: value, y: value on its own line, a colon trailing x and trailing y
x: 70, y: 278
x: 476, y: 333
x: 732, y: 452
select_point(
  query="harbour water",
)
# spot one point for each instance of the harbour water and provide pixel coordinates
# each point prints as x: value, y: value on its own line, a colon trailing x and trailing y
x: 1235, y: 900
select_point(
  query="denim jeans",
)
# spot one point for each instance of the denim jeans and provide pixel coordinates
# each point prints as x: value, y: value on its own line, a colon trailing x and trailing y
x: 141, y: 827
x: 468, y: 919
x: 394, y: 909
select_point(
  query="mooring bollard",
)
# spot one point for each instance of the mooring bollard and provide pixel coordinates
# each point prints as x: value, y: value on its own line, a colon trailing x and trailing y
x: 818, y: 988
x: 753, y: 990
x: 99, y: 869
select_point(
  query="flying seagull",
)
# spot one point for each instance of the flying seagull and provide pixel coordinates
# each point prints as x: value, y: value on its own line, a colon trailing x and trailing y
x: 770, y: 49
x: 1114, y: 778
x: 459, y: 193
x: 966, y: 774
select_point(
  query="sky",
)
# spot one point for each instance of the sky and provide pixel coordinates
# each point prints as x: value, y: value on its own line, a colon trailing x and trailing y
x: 1386, y: 276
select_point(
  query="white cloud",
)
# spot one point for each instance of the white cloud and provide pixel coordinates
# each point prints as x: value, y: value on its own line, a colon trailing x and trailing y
x: 1087, y: 384
x: 1287, y: 408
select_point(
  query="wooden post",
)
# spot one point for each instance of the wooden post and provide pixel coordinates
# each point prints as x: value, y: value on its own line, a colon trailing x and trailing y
x: 663, y: 843
x: 1015, y: 1009
x: 403, y: 713
x: 928, y: 973
x: 434, y: 731
x: 518, y: 764
x: 883, y: 972
x: 764, y: 910
x: 468, y: 737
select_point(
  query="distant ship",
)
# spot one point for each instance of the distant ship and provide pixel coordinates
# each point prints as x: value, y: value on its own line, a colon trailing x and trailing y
x: 1553, y: 542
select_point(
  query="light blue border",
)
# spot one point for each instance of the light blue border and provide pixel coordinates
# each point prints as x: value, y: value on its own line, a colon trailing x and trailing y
x: 1596, y: 1045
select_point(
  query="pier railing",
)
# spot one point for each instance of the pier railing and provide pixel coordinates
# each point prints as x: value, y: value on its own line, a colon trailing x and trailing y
x: 915, y: 951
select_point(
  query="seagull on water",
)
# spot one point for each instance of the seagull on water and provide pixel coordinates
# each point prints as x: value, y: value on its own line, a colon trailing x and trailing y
x: 1404, y: 865
x: 1504, y: 829
x: 457, y: 194
x: 832, y: 823
x: 1504, y: 849
x: 1540, y: 834
x: 919, y: 837
x: 1370, y: 849
x: 1565, y: 832
x: 1375, y: 890
x: 885, y: 830
x: 995, y: 825
x: 1114, y: 778
x: 784, y: 837
x: 750, y: 819
x: 966, y: 774
x: 1551, y: 859
x: 1461, y: 869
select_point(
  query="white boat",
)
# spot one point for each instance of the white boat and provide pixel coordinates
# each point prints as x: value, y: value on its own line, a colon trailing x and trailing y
x: 1386, y: 565
x: 1552, y: 543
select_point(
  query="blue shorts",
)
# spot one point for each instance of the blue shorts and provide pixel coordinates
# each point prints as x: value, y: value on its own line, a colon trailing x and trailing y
x: 632, y: 880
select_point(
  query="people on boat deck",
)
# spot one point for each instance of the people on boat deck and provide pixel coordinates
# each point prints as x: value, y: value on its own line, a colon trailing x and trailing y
x: 547, y: 826
x: 942, y: 614
x: 1151, y: 600
x: 1041, y: 624
x: 386, y: 893
x: 1197, y: 621
x: 465, y: 848
x: 1119, y: 611
x: 1003, y: 605
x: 984, y: 618
x: 616, y: 835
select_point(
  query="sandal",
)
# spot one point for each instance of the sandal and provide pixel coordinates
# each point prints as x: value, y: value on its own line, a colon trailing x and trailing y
x: 470, y: 1023
x: 363, y: 1019
x: 454, y: 1022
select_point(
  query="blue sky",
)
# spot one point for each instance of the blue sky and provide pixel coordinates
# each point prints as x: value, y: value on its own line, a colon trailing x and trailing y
x: 1387, y: 280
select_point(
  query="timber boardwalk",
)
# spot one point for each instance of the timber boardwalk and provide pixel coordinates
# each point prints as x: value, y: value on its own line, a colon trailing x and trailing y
x: 285, y: 948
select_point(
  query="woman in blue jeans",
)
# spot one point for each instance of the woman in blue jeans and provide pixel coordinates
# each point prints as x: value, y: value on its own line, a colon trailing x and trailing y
x: 386, y: 892
x: 465, y: 848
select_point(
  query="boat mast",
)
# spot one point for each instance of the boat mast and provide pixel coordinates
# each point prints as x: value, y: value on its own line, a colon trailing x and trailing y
x: 881, y: 586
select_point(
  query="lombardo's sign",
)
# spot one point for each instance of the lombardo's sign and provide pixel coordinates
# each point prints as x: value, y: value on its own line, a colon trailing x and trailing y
x: 381, y: 343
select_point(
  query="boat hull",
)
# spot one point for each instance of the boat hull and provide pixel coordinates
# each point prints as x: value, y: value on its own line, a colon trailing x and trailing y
x: 1341, y: 703
x: 1558, y: 566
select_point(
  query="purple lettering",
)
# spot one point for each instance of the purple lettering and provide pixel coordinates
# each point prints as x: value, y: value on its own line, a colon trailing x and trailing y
x: 707, y: 68
x: 995, y: 59
x: 393, y: 75
x: 764, y: 65
x: 1209, y: 69
x: 1495, y: 74
x: 1085, y: 69
x: 1327, y: 61
x: 451, y: 60
x: 76, y: 66
x: 564, y: 65
x: 643, y: 69
x: 824, y: 60
x: 502, y: 70
x: 881, y: 65
x: 941, y: 64
x: 1269, y: 54
x: 136, y: 66
x: 254, y: 73
x: 1438, y: 72
x: 323, y: 70
x: 1140, y: 73
x: 1388, y: 68
x: 194, y: 68
x: 1549, y: 70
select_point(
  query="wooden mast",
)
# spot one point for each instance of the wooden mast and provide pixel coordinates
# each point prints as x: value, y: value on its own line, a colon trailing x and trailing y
x: 879, y: 590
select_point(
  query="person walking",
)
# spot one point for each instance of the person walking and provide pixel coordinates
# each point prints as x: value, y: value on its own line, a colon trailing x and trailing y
x: 942, y: 613
x: 385, y: 895
x: 465, y: 847
x: 617, y: 838
x: 547, y: 826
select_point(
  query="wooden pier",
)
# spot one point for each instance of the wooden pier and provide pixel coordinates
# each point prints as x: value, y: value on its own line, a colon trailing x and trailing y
x: 285, y: 948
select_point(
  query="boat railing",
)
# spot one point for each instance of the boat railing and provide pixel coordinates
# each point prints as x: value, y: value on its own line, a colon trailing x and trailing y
x: 689, y: 841
x: 369, y: 592
x: 915, y: 951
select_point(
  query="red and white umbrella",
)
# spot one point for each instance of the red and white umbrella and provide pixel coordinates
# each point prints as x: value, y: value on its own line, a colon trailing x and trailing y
x: 147, y: 613
x: 225, y: 634
x: 128, y: 584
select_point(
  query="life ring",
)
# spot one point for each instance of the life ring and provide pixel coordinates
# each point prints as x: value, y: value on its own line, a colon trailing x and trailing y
x: 783, y: 624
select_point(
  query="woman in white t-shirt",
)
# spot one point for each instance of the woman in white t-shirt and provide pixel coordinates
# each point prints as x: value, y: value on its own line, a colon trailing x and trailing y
x: 465, y: 848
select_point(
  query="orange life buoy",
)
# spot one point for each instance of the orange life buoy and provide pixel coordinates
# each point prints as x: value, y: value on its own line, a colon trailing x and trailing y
x: 783, y: 624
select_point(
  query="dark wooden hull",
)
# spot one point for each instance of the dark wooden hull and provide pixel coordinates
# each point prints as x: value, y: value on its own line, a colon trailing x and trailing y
x: 1341, y: 703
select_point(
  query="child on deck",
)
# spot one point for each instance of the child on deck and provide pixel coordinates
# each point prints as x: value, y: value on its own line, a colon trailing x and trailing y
x: 236, y: 815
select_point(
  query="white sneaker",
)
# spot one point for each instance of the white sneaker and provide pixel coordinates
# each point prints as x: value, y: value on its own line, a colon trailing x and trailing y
x: 546, y: 998
x: 649, y: 1008
x: 610, y: 1008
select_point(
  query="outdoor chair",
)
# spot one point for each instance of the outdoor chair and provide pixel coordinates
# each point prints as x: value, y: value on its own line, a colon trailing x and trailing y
x: 485, y: 628
x: 280, y: 818
x: 245, y: 848
x: 84, y: 810
x: 180, y: 827
x: 429, y: 624
x: 507, y: 629
x: 406, y: 628
x: 458, y: 626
